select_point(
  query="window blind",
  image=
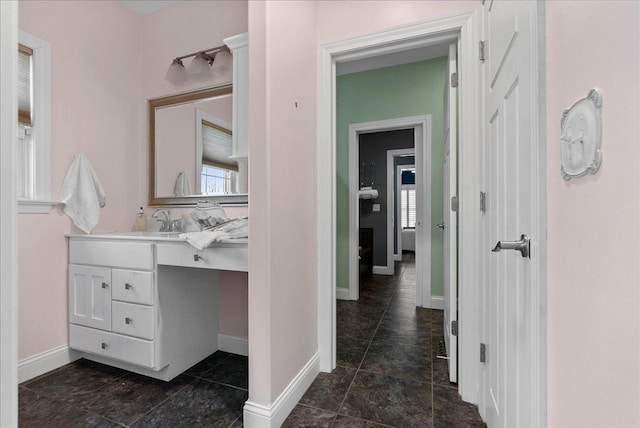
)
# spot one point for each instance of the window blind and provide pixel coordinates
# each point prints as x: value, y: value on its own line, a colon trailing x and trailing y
x: 25, y: 84
x: 408, y: 208
x: 217, y: 147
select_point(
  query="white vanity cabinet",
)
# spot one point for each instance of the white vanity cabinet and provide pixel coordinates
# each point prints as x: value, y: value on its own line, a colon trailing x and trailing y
x: 129, y: 310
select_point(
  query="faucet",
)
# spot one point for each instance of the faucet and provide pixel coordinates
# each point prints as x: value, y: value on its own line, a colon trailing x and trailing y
x: 166, y: 221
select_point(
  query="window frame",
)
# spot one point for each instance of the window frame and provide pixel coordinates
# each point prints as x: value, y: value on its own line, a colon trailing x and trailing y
x: 41, y: 130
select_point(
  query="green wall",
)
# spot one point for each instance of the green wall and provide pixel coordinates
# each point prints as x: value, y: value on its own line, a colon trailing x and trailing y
x: 389, y: 93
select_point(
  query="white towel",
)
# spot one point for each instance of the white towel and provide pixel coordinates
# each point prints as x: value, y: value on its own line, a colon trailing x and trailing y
x: 183, y: 185
x: 82, y: 194
x: 235, y: 229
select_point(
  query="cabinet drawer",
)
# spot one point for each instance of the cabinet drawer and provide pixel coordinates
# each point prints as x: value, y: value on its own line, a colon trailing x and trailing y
x: 131, y: 255
x: 132, y: 286
x: 231, y: 257
x: 133, y: 320
x: 112, y: 345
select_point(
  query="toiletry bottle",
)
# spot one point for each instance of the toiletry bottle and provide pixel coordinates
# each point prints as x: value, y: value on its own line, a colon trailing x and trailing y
x: 141, y: 220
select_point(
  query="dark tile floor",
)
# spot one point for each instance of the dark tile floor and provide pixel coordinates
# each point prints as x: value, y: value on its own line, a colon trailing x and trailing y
x: 387, y: 371
x: 88, y: 394
x: 387, y: 374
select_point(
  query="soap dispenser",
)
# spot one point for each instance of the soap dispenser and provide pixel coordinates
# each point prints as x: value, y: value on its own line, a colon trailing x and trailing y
x: 141, y: 220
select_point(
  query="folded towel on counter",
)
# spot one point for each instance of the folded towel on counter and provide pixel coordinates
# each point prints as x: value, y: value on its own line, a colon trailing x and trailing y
x: 234, y: 229
x: 82, y: 194
x: 183, y: 185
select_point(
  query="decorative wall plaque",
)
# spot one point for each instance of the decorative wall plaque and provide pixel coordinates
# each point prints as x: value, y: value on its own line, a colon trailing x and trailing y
x: 581, y: 136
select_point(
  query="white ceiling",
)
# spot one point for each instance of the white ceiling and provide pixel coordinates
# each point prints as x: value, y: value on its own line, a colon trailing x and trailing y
x: 145, y: 7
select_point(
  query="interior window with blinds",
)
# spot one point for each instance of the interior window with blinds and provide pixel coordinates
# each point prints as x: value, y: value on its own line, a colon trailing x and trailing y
x: 408, y: 199
x: 25, y: 149
x: 219, y: 172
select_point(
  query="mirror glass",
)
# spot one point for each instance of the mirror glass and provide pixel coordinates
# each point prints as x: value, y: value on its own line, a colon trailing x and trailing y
x: 191, y: 149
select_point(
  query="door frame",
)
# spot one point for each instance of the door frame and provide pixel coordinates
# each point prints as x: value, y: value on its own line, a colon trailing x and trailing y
x: 8, y: 208
x: 421, y: 147
x: 464, y: 28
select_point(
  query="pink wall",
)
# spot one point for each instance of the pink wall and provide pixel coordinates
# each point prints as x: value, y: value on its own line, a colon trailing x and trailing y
x: 593, y: 230
x: 94, y: 110
x: 260, y: 331
x: 106, y: 62
x: 283, y: 293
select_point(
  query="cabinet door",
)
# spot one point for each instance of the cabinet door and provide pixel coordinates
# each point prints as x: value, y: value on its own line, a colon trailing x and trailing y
x: 90, y: 296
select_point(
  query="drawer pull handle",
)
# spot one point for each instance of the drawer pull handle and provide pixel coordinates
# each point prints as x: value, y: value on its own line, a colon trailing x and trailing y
x: 104, y: 345
x: 105, y: 285
x: 196, y: 258
x: 128, y: 320
x: 128, y: 286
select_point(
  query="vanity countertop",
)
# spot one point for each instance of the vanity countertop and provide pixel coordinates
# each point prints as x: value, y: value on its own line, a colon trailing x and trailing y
x: 152, y: 236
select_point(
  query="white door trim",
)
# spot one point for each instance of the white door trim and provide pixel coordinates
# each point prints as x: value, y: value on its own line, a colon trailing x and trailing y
x: 444, y: 30
x: 8, y: 208
x: 422, y: 147
x: 398, y: 256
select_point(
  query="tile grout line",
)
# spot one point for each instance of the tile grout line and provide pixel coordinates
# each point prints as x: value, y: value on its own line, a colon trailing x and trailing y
x: 158, y: 405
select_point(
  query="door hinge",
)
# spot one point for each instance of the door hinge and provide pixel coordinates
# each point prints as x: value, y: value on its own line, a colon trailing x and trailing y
x: 454, y: 328
x: 454, y: 80
x: 483, y: 53
x: 483, y: 353
x: 483, y: 202
x: 454, y: 203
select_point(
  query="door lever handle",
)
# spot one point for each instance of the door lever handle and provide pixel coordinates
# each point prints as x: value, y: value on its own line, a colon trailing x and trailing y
x: 441, y: 226
x: 523, y: 245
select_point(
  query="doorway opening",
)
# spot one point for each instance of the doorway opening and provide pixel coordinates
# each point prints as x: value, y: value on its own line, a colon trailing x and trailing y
x: 405, y: 236
x: 460, y: 29
x: 374, y: 154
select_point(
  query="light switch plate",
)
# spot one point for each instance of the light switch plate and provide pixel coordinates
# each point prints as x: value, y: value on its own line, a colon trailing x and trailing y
x: 376, y: 207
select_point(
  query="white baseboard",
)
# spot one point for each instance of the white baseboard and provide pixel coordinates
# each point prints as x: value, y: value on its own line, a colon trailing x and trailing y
x: 382, y: 270
x: 233, y: 344
x: 343, y: 294
x: 272, y: 416
x: 437, y: 302
x: 45, y: 362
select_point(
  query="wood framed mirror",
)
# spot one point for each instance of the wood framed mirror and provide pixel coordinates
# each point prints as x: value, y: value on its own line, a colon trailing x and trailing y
x: 192, y: 149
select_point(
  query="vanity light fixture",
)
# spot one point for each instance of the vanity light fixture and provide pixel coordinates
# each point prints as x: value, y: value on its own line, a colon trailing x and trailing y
x: 204, y: 63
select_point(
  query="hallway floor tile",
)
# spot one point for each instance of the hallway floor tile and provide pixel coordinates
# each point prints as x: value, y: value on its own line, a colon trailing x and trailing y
x: 388, y: 373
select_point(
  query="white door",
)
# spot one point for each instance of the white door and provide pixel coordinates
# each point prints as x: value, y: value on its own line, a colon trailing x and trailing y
x: 450, y: 224
x: 511, y: 309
